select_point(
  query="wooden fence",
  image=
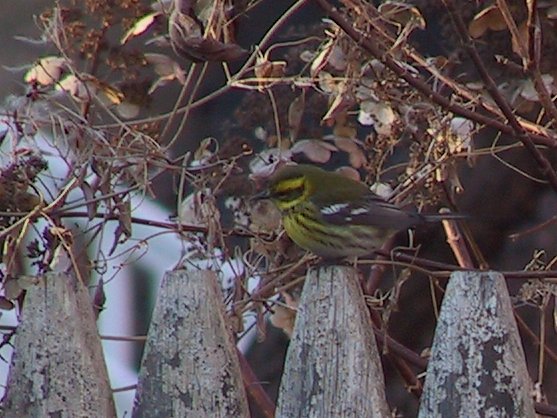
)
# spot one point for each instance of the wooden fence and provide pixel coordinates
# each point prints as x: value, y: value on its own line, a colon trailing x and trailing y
x: 190, y: 366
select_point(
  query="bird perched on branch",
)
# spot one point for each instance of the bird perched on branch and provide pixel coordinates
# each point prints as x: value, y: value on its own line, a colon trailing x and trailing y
x: 334, y: 216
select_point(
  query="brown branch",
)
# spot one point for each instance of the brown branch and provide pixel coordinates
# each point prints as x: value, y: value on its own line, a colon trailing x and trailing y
x: 399, y: 355
x: 377, y: 270
x: 534, y: 51
x: 411, y: 260
x: 457, y: 244
x: 254, y: 389
x: 371, y: 46
x: 517, y: 130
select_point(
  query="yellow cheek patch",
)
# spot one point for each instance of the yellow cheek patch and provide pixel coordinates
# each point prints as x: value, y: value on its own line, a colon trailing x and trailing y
x: 288, y: 193
x: 289, y: 185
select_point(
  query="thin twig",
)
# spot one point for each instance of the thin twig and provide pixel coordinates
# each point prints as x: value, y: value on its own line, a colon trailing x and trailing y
x: 517, y: 130
x: 457, y: 244
x: 370, y: 45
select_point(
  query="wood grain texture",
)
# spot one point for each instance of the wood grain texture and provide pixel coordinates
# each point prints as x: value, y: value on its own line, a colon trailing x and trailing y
x: 190, y: 367
x: 477, y: 366
x: 58, y: 367
x: 332, y: 367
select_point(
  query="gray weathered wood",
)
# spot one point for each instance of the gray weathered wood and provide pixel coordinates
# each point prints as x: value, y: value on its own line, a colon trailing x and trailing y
x: 332, y: 366
x: 58, y: 366
x: 477, y: 366
x: 190, y: 367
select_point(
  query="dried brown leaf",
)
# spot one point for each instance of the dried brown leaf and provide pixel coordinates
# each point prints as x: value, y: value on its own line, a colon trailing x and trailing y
x: 90, y: 202
x: 295, y: 114
x: 187, y: 40
x: 489, y: 18
x: 47, y: 71
x: 355, y: 153
x: 6, y: 304
x: 265, y: 68
x: 402, y: 14
x: 143, y: 24
x: 315, y: 150
x: 349, y: 172
x: 337, y: 110
x: 523, y: 35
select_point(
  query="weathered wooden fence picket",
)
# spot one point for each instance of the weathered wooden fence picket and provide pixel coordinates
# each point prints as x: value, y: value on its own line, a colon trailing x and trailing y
x: 58, y: 367
x: 333, y: 369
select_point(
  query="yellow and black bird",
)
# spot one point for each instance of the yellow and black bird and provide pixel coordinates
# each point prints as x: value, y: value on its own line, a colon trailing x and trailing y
x: 334, y: 216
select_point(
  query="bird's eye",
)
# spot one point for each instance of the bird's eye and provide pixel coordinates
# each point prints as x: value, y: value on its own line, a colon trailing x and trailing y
x: 289, y: 194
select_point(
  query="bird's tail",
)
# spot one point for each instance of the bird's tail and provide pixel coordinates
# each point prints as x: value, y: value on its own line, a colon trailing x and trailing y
x: 438, y: 217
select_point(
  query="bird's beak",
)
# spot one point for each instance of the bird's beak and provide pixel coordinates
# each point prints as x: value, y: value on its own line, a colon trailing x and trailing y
x: 262, y: 195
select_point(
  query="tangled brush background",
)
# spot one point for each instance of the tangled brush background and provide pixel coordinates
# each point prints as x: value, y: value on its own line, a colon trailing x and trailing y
x: 133, y: 135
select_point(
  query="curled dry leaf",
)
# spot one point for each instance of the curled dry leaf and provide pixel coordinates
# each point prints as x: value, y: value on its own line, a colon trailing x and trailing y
x: 330, y: 55
x: 205, y: 151
x: 462, y: 139
x: 552, y: 14
x: 353, y: 149
x: 523, y: 39
x: 264, y: 217
x: 338, y: 108
x: 106, y: 93
x: 382, y: 189
x: 489, y: 18
x: 266, y: 69
x: 267, y: 161
x: 315, y: 150
x: 284, y: 315
x: 5, y: 304
x: 124, y: 229
x: 349, y: 172
x: 380, y: 114
x: 90, y: 202
x: 187, y: 40
x: 295, y: 114
x: 99, y: 298
x: 463, y: 130
x: 187, y: 213
x: 46, y: 71
x: 320, y: 60
x: 166, y: 68
x: 327, y: 82
x: 84, y: 88
x: 12, y: 290
x: 80, y: 90
x: 402, y: 14
x: 141, y: 26
x: 128, y: 110
x: 528, y: 90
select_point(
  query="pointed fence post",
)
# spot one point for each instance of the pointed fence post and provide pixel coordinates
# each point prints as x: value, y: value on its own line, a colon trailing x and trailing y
x: 58, y: 366
x: 332, y: 366
x: 190, y: 367
x: 477, y: 366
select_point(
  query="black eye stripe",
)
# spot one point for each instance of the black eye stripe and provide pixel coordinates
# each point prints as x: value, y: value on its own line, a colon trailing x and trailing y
x: 289, y: 194
x: 288, y: 190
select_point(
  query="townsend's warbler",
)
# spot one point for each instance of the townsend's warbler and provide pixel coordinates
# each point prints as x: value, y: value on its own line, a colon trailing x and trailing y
x: 334, y: 216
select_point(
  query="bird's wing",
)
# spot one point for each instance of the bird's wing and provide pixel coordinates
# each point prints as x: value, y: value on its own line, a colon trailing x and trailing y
x: 372, y: 210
